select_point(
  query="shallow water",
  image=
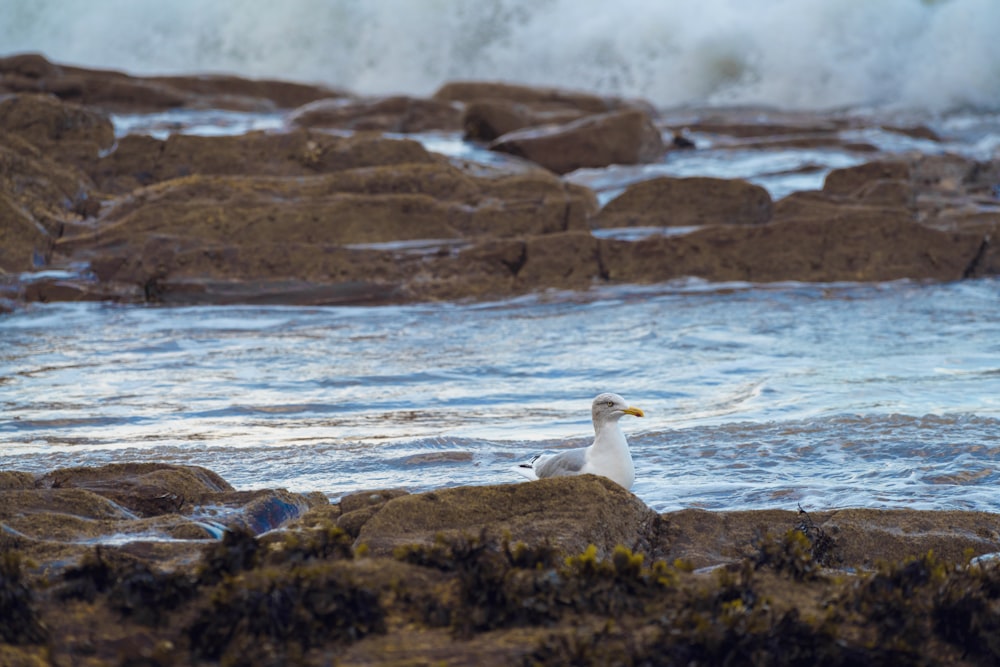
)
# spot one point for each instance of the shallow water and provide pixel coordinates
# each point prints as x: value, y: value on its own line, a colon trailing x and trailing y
x: 756, y: 396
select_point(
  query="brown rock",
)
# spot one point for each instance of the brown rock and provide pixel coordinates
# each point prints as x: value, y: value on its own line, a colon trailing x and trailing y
x: 23, y: 243
x: 855, y: 247
x: 569, y: 513
x: 684, y: 202
x: 469, y: 91
x: 140, y: 161
x: 119, y: 92
x: 485, y: 120
x: 563, y: 261
x: 849, y: 181
x: 149, y: 489
x: 621, y: 137
x: 389, y: 114
x: 860, y: 538
x: 233, y: 92
x: 37, y: 197
x: 66, y: 132
x: 14, y: 479
x: 366, y: 499
x: 819, y: 205
x: 173, y: 237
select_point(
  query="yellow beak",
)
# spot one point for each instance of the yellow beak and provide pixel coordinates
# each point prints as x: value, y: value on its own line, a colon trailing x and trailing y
x: 634, y: 411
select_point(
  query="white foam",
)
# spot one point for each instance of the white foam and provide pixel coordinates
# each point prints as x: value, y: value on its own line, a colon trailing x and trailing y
x: 918, y: 54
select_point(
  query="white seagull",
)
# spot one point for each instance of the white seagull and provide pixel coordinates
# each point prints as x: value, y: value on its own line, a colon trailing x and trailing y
x: 609, y: 456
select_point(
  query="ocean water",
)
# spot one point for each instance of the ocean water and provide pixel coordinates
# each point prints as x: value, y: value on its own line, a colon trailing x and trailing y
x: 926, y: 55
x: 884, y: 395
x: 757, y: 396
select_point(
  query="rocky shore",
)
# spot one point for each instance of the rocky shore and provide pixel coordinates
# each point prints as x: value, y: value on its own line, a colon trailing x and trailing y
x: 156, y: 564
x: 332, y: 210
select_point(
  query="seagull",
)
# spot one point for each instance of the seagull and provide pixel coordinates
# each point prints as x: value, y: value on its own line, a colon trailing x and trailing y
x: 609, y: 456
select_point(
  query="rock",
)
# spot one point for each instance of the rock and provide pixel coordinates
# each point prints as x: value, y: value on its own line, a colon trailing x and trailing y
x: 37, y: 197
x: 119, y: 92
x: 389, y: 114
x: 268, y: 229
x: 687, y: 202
x: 470, y: 91
x: 854, y: 247
x: 140, y: 160
x: 487, y: 119
x: 148, y: 489
x: 368, y: 499
x: 859, y: 538
x: 620, y: 137
x: 23, y: 242
x: 562, y: 261
x: 817, y: 205
x: 14, y: 479
x: 849, y: 181
x: 569, y: 513
x: 66, y: 132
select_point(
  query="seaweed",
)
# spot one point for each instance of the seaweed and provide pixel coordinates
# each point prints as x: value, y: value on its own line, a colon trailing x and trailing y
x: 238, y: 550
x: 966, y: 611
x: 147, y: 596
x: 326, y: 541
x: 790, y: 554
x: 20, y: 621
x: 272, y: 615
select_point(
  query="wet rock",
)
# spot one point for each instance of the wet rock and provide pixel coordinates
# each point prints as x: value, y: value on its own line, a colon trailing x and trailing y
x: 856, y: 246
x: 201, y: 229
x: 562, y: 261
x: 569, y: 513
x: 858, y: 538
x: 687, y: 202
x: 38, y: 196
x: 13, y: 479
x: 535, y: 96
x: 848, y: 182
x: 67, y: 133
x: 369, y: 499
x: 148, y: 489
x: 487, y: 119
x: 23, y: 243
x: 139, y: 160
x: 119, y: 92
x: 388, y: 114
x: 620, y: 137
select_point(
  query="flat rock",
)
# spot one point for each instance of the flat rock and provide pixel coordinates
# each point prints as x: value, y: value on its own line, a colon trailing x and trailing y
x: 568, y: 512
x: 618, y: 137
x: 67, y: 132
x: 148, y: 489
x: 858, y: 538
x: 535, y: 96
x: 487, y: 119
x: 858, y: 246
x: 403, y: 114
x: 687, y: 202
x: 140, y: 160
x: 120, y: 92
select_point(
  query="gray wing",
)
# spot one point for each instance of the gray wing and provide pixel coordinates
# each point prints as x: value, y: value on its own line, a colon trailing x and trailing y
x: 570, y: 462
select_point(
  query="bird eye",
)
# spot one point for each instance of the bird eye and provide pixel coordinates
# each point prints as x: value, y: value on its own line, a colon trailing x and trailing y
x: 611, y: 404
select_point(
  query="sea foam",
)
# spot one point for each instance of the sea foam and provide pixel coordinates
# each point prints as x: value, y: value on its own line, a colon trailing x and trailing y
x: 925, y: 55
